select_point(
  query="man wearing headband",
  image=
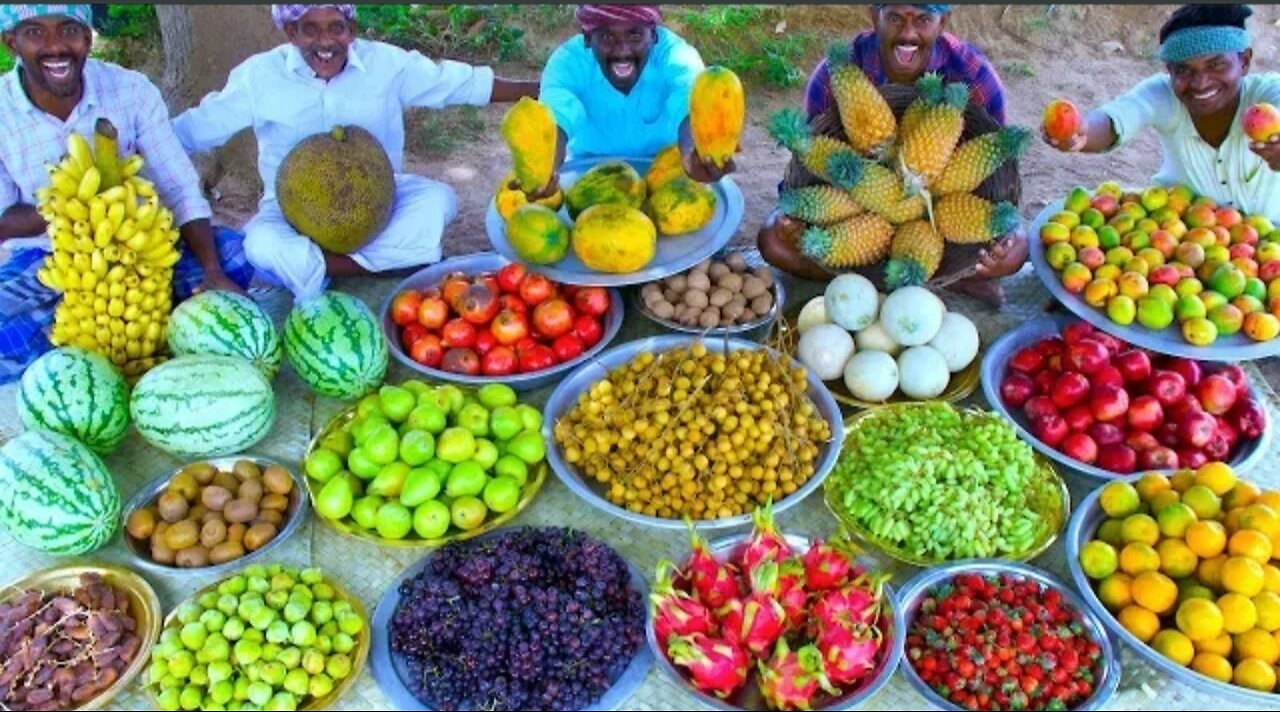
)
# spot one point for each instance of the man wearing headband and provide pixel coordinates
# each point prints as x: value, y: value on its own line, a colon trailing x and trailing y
x: 621, y: 88
x: 323, y: 77
x: 1195, y: 107
x: 56, y: 89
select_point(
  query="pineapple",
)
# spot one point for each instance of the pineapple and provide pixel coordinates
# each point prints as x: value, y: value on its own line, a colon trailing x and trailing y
x: 975, y: 160
x: 868, y: 122
x: 819, y: 204
x: 790, y: 128
x: 914, y: 255
x: 860, y: 241
x: 966, y: 219
x: 928, y: 139
x: 875, y: 187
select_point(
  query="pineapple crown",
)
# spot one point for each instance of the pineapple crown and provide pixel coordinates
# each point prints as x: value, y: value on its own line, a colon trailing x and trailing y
x: 903, y: 272
x: 1013, y: 141
x: 816, y: 243
x: 791, y: 201
x: 1004, y: 218
x: 845, y: 168
x: 790, y: 128
x: 930, y: 87
x: 838, y: 55
x: 956, y: 95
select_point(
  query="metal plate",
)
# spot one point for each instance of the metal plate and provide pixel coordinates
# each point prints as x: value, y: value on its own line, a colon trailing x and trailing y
x: 297, y: 513
x: 745, y: 330
x: 748, y: 697
x: 1236, y: 347
x: 913, y: 594
x: 674, y: 254
x: 144, y: 606
x: 475, y: 264
x: 389, y: 671
x: 996, y: 365
x: 565, y: 398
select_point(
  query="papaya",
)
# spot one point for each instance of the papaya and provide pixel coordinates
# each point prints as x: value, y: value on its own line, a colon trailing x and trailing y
x: 509, y: 196
x: 611, y: 182
x: 668, y: 164
x: 682, y: 205
x: 530, y: 132
x: 717, y: 112
x: 537, y: 234
x: 614, y: 238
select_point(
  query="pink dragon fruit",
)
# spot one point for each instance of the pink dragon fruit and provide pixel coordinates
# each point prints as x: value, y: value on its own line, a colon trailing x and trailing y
x: 714, y: 583
x: 791, y: 680
x: 675, y: 612
x: 716, y: 666
x: 765, y: 544
x: 786, y: 583
x: 826, y: 566
x: 849, y: 655
x: 856, y: 604
x: 754, y: 622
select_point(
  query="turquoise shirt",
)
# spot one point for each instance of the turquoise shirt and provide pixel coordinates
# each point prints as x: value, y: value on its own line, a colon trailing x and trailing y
x: 602, y: 121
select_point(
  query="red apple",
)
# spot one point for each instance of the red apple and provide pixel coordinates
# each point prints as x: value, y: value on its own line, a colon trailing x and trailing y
x: 1186, y: 404
x: 485, y: 341
x: 1080, y: 447
x: 1118, y: 458
x: 1217, y: 394
x: 1218, y: 449
x: 1248, y: 417
x: 1140, y: 441
x: 1050, y: 429
x: 1052, y: 345
x: 1108, y: 401
x: 1158, y: 458
x: 1242, y: 251
x: 1028, y: 360
x: 1237, y: 376
x: 1076, y: 331
x: 500, y: 361
x: 510, y: 277
x: 1069, y: 389
x: 461, y: 360
x: 1167, y: 434
x: 1164, y: 274
x: 1145, y: 413
x: 1040, y: 406
x: 1017, y: 389
x: 1087, y: 356
x: 1228, y: 432
x: 1110, y: 343
x: 1044, y: 381
x: 1134, y: 365
x: 1191, y: 458
x: 1107, y: 376
x: 1269, y: 271
x: 1167, y: 386
x: 1053, y: 363
x: 1079, y: 417
x: 1197, y: 429
x: 1106, y: 434
x: 1190, y: 371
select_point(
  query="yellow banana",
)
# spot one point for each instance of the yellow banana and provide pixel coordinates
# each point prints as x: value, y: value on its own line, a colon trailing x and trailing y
x: 128, y: 258
x: 144, y: 270
x: 63, y: 241
x: 69, y: 300
x: 48, y: 216
x: 102, y: 236
x: 43, y: 193
x: 84, y: 244
x: 156, y: 254
x: 89, y: 184
x: 80, y: 152
x: 115, y: 290
x: 168, y: 260
x: 140, y: 241
x: 116, y: 274
x: 112, y: 253
x: 79, y: 261
x: 116, y: 194
x: 97, y: 209
x: 164, y: 219
x: 130, y: 200
x: 49, y: 279
x: 127, y: 229
x: 76, y: 210
x: 62, y: 260
x: 133, y: 298
x: 131, y: 165
x: 89, y: 280
x: 63, y: 184
x: 62, y: 223
x: 100, y: 289
x: 116, y: 215
x: 115, y: 309
x: 98, y: 263
x: 144, y: 187
x: 82, y: 228
x: 69, y: 279
x: 146, y: 216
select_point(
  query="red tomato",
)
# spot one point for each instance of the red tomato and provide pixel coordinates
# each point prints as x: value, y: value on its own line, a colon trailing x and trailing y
x: 453, y: 286
x: 458, y: 333
x: 509, y: 277
x: 553, y: 318
x: 536, y: 289
x: 592, y: 300
x: 588, y: 328
x: 509, y: 327
x: 461, y: 360
x: 513, y: 302
x: 404, y: 307
x: 525, y: 344
x: 538, y: 358
x: 567, y: 347
x: 501, y: 361
x: 427, y: 351
x: 485, y: 342
x: 433, y: 312
x: 411, y: 333
x: 478, y: 305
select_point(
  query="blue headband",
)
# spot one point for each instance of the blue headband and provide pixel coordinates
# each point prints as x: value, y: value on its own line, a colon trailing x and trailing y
x: 1197, y: 41
x: 931, y: 9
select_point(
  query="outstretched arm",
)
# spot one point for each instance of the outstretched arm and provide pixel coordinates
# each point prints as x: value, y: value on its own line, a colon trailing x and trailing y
x: 509, y: 90
x: 1150, y: 103
x: 1096, y: 135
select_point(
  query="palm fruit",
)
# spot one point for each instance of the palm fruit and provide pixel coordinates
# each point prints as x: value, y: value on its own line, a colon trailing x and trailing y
x: 976, y: 159
x: 790, y: 129
x: 966, y: 219
x: 818, y: 204
x: 875, y: 187
x: 914, y: 255
x: 530, y: 132
x: 868, y: 121
x: 926, y: 143
x: 860, y: 241
x: 717, y: 112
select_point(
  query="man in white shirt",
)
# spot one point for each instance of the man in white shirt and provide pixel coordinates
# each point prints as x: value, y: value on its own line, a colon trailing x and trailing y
x: 326, y: 77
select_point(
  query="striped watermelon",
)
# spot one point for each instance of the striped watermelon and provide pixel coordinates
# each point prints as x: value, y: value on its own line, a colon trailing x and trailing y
x: 203, y: 406
x: 78, y: 393
x: 336, y: 346
x: 227, y: 324
x: 56, y: 495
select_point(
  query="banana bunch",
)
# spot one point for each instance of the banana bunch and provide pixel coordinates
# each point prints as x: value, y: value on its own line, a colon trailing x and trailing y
x: 114, y: 248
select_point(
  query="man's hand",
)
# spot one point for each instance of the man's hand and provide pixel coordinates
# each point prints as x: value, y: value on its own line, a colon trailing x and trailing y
x: 1269, y: 150
x: 218, y: 281
x: 1005, y: 257
x: 705, y: 171
x: 1075, y: 144
x: 547, y: 190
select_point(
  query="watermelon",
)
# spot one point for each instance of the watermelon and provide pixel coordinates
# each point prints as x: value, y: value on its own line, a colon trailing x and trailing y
x: 203, y: 406
x: 227, y: 324
x: 335, y: 344
x: 56, y: 495
x: 78, y: 393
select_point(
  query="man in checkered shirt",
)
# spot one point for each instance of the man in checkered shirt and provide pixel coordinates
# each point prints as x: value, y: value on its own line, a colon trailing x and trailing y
x: 55, y: 89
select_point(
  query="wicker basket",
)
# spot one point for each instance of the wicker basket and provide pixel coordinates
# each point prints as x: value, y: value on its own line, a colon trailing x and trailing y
x: 958, y: 261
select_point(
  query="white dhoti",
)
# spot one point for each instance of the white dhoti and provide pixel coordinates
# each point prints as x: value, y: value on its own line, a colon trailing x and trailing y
x: 422, y: 209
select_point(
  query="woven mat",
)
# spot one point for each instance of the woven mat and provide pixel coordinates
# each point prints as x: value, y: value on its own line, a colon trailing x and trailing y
x: 368, y: 570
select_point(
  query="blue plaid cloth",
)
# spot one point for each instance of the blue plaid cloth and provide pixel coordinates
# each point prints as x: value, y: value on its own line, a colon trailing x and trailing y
x: 26, y: 306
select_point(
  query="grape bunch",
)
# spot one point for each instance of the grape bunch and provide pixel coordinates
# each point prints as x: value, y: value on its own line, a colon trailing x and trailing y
x: 534, y: 618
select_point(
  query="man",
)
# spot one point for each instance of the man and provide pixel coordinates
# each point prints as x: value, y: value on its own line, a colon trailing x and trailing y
x: 324, y: 76
x: 53, y: 90
x: 1195, y: 108
x: 621, y: 88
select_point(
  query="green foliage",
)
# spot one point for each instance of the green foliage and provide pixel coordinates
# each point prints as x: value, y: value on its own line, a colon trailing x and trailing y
x: 437, y: 133
x: 454, y: 31
x: 6, y: 59
x: 132, y: 22
x: 746, y: 39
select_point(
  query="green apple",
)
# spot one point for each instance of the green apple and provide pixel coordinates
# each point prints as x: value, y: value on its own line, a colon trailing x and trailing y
x: 369, y: 407
x: 433, y: 397
x: 501, y: 494
x: 365, y: 511
x: 334, y: 500
x: 396, y: 403
x: 393, y: 521
x: 323, y: 464
x: 416, y: 387
x: 530, y: 416
x: 455, y: 445
x: 475, y: 418
x: 361, y: 465
x: 421, y: 485
x: 468, y: 513
x: 417, y: 447
x: 496, y: 394
x: 429, y: 417
x: 382, y: 446
x: 453, y: 396
x: 505, y: 422
x: 364, y: 426
x: 339, y: 441
x: 528, y: 446
x: 486, y: 453
x: 465, y: 479
x: 511, y: 467
x: 390, y: 480
x: 431, y: 519
x: 357, y: 483
x: 440, y: 467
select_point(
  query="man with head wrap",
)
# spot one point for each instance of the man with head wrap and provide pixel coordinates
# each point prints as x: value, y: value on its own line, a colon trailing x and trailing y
x: 323, y: 77
x: 621, y: 87
x: 56, y: 89
x: 1195, y: 107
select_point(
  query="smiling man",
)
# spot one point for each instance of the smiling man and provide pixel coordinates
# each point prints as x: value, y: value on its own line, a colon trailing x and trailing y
x: 1195, y: 108
x: 323, y: 77
x: 55, y: 89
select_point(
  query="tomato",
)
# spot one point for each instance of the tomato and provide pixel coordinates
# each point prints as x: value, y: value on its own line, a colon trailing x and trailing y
x: 567, y: 347
x: 509, y: 327
x: 510, y: 277
x: 525, y: 344
x: 485, y: 342
x: 501, y: 361
x: 478, y: 305
x: 458, y: 333
x: 553, y: 318
x: 536, y: 289
x: 433, y: 311
x: 453, y: 286
x: 538, y: 358
x: 427, y: 351
x: 411, y: 333
x: 513, y: 302
x: 490, y: 281
x: 461, y: 360
x: 592, y: 300
x: 588, y: 328
x: 404, y: 307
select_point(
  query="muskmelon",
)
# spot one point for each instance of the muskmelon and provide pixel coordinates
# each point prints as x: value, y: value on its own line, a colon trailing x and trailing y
x: 608, y: 183
x: 337, y: 188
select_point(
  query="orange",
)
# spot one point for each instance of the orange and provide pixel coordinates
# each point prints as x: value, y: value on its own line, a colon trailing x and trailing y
x: 1271, y: 578
x: 1217, y: 476
x: 1164, y: 499
x: 1238, y: 613
x: 1182, y: 480
x: 1206, y: 539
x: 1202, y: 501
x: 1210, y: 571
x: 1258, y: 644
x: 1232, y: 520
x: 1176, y: 558
x: 1267, y: 604
x: 1271, y: 498
x: 1098, y: 560
x: 1175, y: 646
x: 1255, y: 675
x: 1220, y: 645
x: 1114, y: 591
x: 1199, y: 620
x: 1143, y: 624
x: 1151, y: 484
x: 1242, y: 495
x: 1214, y: 666
x: 1174, y: 518
x: 1262, y: 518
x: 1249, y: 543
x: 1155, y: 592
x: 1138, y: 558
x: 1109, y: 531
x: 1140, y: 528
x: 1242, y: 575
x: 1119, y: 499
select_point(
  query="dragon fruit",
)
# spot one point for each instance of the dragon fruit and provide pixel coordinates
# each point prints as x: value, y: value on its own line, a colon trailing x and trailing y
x: 754, y: 622
x: 716, y: 666
x: 790, y: 680
x: 856, y: 604
x: 849, y: 655
x: 714, y: 583
x: 675, y: 612
x: 826, y: 566
x: 786, y: 583
x: 765, y: 544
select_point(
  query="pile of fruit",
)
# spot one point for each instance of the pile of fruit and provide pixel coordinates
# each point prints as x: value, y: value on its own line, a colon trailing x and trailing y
x: 1102, y: 402
x: 1003, y: 642
x: 907, y: 342
x: 61, y: 649
x: 206, y: 516
x: 512, y: 321
x: 895, y: 188
x: 1190, y: 565
x: 713, y: 294
x: 939, y: 485
x: 114, y: 248
x: 807, y: 625
x: 545, y: 618
x: 416, y: 459
x: 694, y: 433
x: 273, y: 638
x: 1163, y: 256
